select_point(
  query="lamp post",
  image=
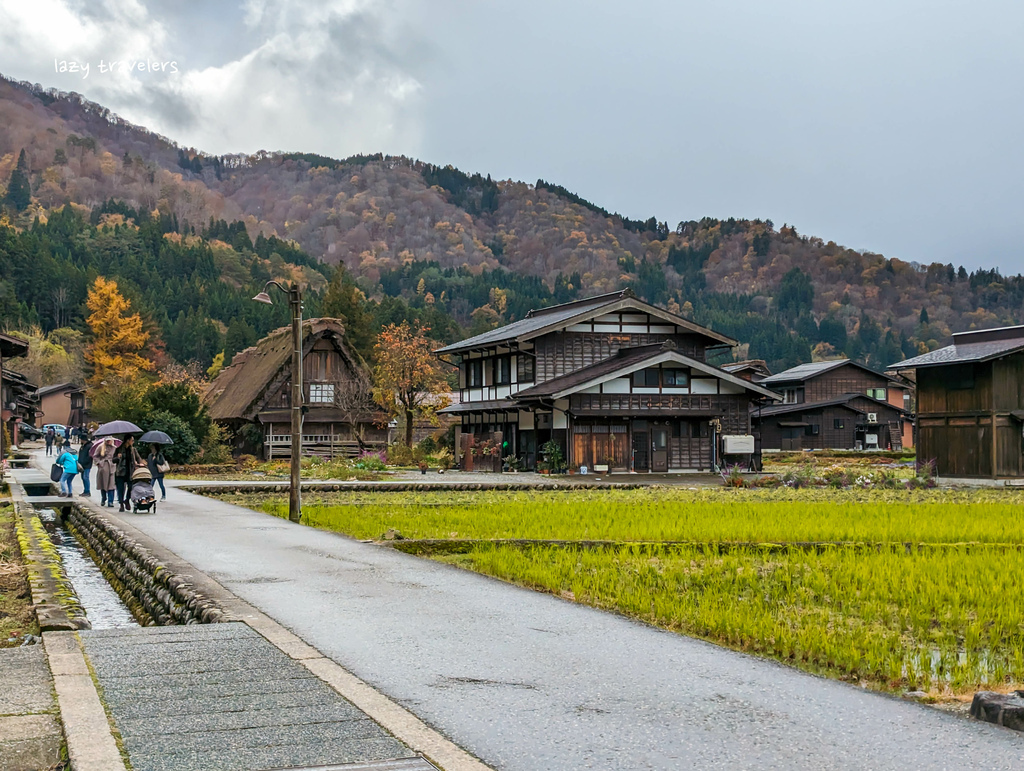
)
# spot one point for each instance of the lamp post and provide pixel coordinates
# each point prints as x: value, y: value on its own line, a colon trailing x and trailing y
x: 295, y: 301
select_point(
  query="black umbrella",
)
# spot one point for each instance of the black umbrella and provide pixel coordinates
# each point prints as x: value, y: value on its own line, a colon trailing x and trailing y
x: 155, y: 437
x: 115, y: 427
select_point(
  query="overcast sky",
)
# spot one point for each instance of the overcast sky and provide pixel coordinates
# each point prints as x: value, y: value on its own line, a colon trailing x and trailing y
x: 891, y: 126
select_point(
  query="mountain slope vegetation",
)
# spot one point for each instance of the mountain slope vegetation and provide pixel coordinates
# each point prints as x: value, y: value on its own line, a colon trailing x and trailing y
x: 190, y: 235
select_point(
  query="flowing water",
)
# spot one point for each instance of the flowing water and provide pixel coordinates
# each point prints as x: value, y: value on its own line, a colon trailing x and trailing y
x: 103, y: 607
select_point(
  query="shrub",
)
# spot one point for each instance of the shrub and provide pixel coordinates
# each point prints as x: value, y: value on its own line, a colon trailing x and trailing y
x: 6, y: 439
x: 185, y: 445
x: 400, y: 455
x: 370, y: 461
x: 215, y: 448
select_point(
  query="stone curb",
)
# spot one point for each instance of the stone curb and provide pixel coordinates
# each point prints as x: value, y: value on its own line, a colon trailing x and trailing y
x: 228, y: 488
x: 91, y: 744
x: 53, y: 597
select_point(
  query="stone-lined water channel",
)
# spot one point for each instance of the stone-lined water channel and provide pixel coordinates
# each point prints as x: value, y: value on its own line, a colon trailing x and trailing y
x: 103, y: 607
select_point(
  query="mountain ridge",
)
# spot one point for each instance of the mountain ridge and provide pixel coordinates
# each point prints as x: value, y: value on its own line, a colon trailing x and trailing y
x: 409, y: 229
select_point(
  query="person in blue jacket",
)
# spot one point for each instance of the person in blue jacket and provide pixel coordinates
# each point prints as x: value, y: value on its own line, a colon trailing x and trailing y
x: 69, y: 462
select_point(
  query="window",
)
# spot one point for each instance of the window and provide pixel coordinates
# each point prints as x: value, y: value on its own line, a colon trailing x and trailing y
x: 501, y: 369
x: 877, y: 393
x: 646, y: 378
x: 475, y: 373
x: 792, y: 395
x: 812, y: 429
x: 838, y: 423
x: 527, y: 368
x: 676, y: 377
x: 321, y: 393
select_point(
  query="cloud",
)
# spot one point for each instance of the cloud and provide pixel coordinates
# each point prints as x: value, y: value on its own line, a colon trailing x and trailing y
x: 328, y: 77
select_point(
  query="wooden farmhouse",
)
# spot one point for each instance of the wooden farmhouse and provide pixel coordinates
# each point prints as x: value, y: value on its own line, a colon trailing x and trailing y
x: 835, y: 405
x: 754, y: 370
x: 339, y: 417
x: 970, y: 404
x: 615, y: 382
x: 17, y: 396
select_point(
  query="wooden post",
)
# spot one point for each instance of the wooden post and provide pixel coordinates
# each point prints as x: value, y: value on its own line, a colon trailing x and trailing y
x: 295, y: 498
x: 995, y: 445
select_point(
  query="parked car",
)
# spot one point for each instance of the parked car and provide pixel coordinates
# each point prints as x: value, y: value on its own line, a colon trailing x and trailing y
x: 30, y: 432
x: 57, y: 427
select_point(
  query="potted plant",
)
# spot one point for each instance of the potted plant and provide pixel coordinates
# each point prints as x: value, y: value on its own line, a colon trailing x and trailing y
x: 543, y: 467
x: 552, y: 452
x: 511, y: 463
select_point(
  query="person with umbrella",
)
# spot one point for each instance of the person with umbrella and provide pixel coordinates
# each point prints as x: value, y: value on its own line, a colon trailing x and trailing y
x: 103, y: 457
x: 158, y: 465
x: 85, y: 461
x: 126, y: 460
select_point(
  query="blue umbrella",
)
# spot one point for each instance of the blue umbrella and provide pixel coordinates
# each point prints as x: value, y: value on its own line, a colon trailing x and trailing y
x: 155, y: 437
x: 115, y: 427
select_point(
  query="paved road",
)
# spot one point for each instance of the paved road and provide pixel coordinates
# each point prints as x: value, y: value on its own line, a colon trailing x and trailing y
x: 529, y: 682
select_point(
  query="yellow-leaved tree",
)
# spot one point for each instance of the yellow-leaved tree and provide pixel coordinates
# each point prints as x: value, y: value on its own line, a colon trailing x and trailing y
x: 117, y: 336
x: 408, y: 381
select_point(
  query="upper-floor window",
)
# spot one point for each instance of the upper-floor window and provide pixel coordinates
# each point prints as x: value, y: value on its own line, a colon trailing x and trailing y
x: 676, y: 377
x: 646, y: 378
x: 321, y: 393
x: 527, y: 366
x: 792, y: 395
x: 475, y: 373
x: 877, y: 393
x: 501, y: 369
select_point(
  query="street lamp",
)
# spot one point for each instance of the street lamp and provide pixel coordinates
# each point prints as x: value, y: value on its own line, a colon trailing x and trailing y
x: 295, y: 301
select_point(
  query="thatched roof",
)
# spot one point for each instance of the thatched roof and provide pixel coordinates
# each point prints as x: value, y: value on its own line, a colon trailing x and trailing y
x: 241, y: 390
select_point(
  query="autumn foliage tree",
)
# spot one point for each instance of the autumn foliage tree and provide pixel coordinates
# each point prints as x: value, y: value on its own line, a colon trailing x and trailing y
x: 408, y: 381
x: 117, y: 336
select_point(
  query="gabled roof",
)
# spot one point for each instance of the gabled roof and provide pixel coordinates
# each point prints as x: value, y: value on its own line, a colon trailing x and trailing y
x: 239, y: 391
x: 754, y: 366
x: 967, y: 347
x: 542, y: 320
x: 844, y: 401
x: 810, y: 370
x: 70, y: 387
x: 10, y: 346
x: 626, y: 361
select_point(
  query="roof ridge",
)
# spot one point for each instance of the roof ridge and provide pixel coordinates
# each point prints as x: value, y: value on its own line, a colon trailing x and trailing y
x: 534, y: 312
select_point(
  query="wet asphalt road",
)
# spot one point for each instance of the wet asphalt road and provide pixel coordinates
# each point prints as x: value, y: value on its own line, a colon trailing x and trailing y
x: 529, y: 682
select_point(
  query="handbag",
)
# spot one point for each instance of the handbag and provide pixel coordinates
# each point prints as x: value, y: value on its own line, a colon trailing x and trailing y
x: 80, y: 469
x: 164, y: 467
x: 56, y: 472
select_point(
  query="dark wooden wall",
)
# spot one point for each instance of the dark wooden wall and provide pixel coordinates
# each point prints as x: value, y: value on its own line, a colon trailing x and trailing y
x: 842, y: 380
x: 560, y: 353
x: 965, y: 421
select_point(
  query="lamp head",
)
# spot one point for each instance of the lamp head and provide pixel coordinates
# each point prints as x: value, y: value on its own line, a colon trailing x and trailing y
x: 263, y: 297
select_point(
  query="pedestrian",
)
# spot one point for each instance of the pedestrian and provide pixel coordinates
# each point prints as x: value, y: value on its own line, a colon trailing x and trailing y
x: 105, y: 465
x: 158, y: 466
x: 127, y: 459
x: 85, y: 461
x: 69, y: 462
x: 67, y: 434
x: 50, y: 436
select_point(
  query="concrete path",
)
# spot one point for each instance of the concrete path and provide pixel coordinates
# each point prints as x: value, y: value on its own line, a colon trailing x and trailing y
x: 526, y: 681
x: 30, y: 737
x: 221, y: 696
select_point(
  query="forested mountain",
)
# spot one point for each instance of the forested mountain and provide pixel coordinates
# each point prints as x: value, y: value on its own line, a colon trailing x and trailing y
x: 189, y: 236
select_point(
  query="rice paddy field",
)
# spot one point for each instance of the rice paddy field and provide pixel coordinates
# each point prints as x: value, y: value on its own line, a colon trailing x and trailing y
x: 899, y: 591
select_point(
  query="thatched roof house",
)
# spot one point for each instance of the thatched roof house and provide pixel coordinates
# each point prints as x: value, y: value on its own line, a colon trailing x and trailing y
x: 255, y: 390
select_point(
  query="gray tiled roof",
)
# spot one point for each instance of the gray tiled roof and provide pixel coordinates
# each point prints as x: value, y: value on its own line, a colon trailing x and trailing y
x: 963, y: 353
x: 805, y: 371
x: 542, y: 318
x: 530, y: 324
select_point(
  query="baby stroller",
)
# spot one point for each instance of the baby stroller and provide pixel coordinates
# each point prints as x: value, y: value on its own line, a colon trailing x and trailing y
x: 142, y: 496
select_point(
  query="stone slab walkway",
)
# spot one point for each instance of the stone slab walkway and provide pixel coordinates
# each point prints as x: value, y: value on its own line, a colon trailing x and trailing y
x: 221, y: 696
x: 30, y: 735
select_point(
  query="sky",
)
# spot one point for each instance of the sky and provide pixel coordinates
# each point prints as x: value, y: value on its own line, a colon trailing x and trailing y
x: 891, y: 126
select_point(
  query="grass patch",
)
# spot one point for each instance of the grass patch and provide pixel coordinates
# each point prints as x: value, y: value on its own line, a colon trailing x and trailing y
x: 16, y: 616
x: 945, y: 618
